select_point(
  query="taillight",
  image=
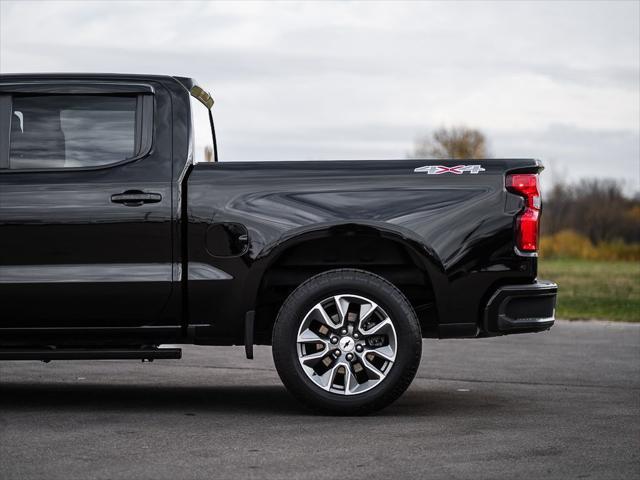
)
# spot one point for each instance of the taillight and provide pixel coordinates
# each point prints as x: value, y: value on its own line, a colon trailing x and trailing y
x: 527, y: 222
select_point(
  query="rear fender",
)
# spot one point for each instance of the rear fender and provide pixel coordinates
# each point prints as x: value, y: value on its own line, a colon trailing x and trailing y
x: 424, y: 257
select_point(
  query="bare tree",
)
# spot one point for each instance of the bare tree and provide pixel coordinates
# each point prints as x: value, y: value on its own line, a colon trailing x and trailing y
x: 455, y: 143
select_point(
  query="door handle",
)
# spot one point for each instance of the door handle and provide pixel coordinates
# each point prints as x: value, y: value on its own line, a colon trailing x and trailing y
x: 135, y: 198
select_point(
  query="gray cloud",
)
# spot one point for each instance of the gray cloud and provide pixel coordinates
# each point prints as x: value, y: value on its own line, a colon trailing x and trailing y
x: 556, y: 80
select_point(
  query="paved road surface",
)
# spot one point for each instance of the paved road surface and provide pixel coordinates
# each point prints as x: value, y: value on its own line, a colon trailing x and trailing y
x: 563, y: 404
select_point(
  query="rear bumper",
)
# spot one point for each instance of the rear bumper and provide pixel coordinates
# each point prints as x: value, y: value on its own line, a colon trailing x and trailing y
x: 521, y: 308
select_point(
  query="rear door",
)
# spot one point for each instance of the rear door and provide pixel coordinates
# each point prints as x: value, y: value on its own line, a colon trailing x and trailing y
x: 85, y: 205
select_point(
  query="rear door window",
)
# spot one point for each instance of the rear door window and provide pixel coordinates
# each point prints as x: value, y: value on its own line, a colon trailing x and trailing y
x: 70, y: 131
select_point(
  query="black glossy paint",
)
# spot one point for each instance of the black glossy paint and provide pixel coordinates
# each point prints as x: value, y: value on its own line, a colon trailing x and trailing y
x: 459, y: 226
x: 70, y: 256
x: 194, y: 262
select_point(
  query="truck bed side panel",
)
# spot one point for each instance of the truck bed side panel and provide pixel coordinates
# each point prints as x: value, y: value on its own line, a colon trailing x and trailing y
x: 462, y: 224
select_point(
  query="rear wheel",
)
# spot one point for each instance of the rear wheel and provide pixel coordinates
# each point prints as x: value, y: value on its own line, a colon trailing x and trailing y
x: 347, y: 342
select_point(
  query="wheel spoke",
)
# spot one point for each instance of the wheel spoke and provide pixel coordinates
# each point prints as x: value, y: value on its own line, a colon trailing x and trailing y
x: 309, y: 336
x: 314, y: 356
x: 350, y: 381
x: 326, y: 319
x: 326, y: 380
x: 372, y: 368
x: 366, y: 309
x: 342, y: 304
x: 385, y: 352
x: 375, y: 329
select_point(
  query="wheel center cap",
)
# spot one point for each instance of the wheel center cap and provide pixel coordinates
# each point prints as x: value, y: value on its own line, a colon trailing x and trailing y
x: 347, y: 344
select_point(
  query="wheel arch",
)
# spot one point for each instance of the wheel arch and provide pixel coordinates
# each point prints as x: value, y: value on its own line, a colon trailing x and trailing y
x: 277, y: 269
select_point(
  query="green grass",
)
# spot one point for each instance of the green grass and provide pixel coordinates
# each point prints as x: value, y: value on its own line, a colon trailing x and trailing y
x: 594, y: 289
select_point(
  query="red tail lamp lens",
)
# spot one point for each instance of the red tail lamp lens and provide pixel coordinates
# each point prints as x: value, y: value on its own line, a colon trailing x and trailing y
x: 528, y: 222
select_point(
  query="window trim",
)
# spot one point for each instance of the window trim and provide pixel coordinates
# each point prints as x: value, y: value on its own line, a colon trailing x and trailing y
x: 145, y: 117
x: 76, y: 88
x: 6, y: 104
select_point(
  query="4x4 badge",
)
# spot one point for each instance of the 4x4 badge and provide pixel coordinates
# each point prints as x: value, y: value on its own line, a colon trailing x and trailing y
x: 457, y: 170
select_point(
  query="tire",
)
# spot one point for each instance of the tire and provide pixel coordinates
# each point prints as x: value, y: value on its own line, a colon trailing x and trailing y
x: 363, y: 312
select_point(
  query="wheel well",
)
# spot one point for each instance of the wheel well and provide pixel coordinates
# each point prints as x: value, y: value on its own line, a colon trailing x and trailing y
x: 367, y: 251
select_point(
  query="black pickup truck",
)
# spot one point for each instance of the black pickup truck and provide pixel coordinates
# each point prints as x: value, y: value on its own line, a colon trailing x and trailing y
x: 115, y: 240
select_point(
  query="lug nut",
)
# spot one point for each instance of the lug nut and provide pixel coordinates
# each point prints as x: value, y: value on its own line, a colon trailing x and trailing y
x: 359, y: 348
x: 356, y: 335
x: 337, y: 352
x: 344, y: 331
x: 349, y: 356
x: 334, y: 340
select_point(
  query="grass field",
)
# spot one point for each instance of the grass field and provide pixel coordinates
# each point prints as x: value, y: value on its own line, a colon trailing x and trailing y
x: 595, y: 289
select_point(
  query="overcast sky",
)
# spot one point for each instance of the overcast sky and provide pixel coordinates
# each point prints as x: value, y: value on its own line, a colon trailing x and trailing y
x: 558, y: 81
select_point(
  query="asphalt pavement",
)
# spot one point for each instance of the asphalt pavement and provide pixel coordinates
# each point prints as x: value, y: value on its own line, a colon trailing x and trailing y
x: 561, y: 404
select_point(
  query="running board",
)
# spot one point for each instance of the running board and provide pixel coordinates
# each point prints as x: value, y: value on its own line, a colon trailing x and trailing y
x: 47, y: 354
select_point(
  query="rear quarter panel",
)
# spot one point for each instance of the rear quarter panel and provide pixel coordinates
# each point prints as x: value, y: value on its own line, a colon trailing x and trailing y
x: 462, y: 226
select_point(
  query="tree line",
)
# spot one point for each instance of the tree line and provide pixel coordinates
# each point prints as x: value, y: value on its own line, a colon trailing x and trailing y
x: 596, y: 208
